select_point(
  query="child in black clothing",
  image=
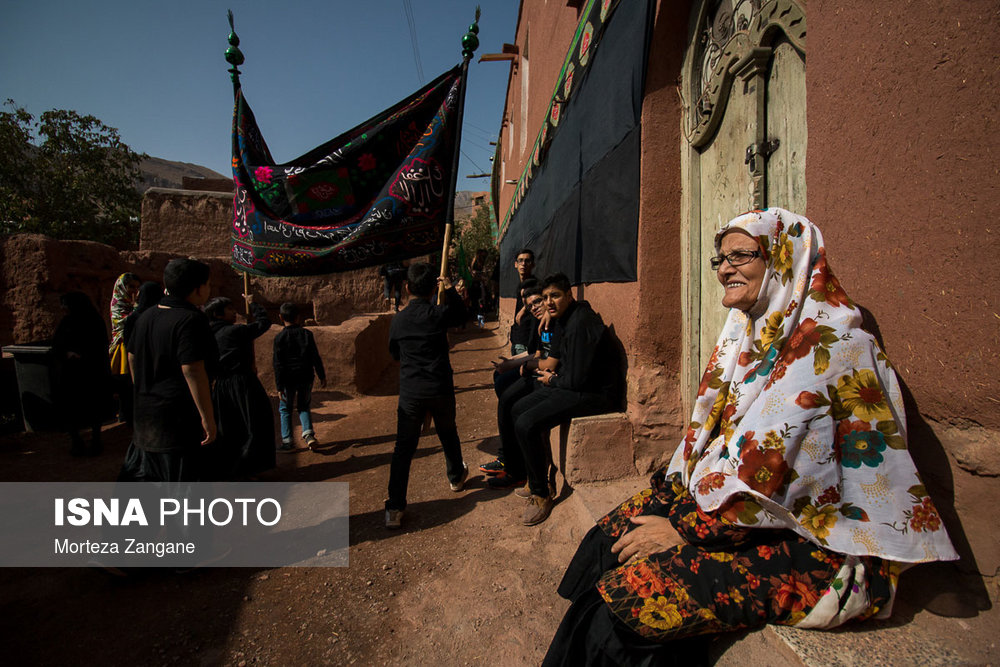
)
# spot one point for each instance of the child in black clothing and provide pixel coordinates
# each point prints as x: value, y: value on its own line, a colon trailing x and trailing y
x: 245, y: 444
x: 418, y: 340
x: 295, y: 359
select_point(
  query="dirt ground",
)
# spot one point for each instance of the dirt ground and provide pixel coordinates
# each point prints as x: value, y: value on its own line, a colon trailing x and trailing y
x: 463, y: 583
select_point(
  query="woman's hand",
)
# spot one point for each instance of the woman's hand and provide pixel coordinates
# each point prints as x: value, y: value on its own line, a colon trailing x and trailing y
x: 653, y: 534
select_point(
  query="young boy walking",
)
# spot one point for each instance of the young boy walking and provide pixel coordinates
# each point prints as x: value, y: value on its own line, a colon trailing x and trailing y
x: 418, y: 339
x: 295, y: 360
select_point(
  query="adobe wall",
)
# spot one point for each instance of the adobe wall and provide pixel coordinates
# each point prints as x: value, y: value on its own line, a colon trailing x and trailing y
x: 35, y: 269
x: 186, y: 222
x: 646, y: 315
x: 904, y: 180
x: 197, y: 223
x: 552, y: 25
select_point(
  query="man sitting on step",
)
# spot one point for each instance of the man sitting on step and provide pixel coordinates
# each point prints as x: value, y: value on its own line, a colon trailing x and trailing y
x: 580, y: 377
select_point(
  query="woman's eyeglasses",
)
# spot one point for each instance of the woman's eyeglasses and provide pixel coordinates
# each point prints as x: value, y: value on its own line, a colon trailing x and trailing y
x: 735, y: 258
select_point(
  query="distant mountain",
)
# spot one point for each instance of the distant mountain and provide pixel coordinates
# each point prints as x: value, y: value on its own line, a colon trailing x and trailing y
x: 160, y: 173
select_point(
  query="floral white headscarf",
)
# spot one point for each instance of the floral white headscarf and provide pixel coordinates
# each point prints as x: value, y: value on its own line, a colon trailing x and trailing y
x: 799, y: 421
x: 122, y: 303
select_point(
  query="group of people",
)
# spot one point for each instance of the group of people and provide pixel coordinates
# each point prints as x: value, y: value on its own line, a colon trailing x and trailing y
x: 185, y: 374
x: 201, y: 413
x: 563, y: 365
x: 791, y: 498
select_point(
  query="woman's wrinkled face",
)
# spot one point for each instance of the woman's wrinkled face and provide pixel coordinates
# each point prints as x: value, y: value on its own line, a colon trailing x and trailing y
x: 742, y: 283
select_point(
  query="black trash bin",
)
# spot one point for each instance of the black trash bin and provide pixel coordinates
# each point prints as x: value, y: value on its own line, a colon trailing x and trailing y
x: 36, y: 371
x: 11, y: 420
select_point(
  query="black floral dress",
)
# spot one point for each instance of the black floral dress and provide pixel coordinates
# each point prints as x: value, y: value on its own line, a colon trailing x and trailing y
x: 725, y: 578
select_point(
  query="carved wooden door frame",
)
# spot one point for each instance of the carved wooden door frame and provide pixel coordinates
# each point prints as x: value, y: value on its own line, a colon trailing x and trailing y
x: 736, y: 46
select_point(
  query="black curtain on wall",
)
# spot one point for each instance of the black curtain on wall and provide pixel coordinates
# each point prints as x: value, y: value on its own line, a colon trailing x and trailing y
x: 580, y: 213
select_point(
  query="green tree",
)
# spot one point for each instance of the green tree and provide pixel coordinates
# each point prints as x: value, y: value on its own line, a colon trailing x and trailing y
x: 478, y: 233
x: 67, y: 176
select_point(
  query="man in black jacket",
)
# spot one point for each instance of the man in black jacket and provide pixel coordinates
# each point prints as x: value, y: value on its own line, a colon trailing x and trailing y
x: 579, y: 377
x: 418, y: 339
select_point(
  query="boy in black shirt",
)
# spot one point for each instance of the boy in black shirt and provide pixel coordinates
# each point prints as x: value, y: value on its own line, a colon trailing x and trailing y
x: 513, y: 370
x: 295, y: 359
x: 580, y: 377
x: 168, y: 353
x: 524, y: 264
x: 418, y: 339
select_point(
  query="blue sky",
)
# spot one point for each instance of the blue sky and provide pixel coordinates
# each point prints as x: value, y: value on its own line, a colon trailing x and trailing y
x: 157, y: 72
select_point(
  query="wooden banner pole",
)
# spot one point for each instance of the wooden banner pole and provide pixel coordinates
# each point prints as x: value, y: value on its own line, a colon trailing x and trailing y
x: 470, y: 42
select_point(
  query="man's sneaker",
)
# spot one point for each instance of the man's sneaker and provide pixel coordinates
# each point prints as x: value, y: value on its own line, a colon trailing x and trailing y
x: 286, y: 446
x: 393, y: 519
x: 504, y: 480
x: 537, y: 510
x: 311, y: 441
x: 460, y: 484
x: 492, y: 468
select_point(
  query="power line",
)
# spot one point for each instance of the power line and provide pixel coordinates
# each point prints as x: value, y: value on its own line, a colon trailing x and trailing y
x: 492, y: 133
x: 472, y: 161
x: 479, y: 133
x: 413, y: 39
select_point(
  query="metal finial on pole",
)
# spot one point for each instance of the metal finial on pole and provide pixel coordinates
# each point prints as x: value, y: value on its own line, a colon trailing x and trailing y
x: 469, y: 45
x: 233, y: 54
x: 470, y: 42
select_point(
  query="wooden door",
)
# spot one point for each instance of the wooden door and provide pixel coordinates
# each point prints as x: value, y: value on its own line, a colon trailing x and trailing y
x: 726, y: 189
x: 746, y: 130
x: 785, y: 173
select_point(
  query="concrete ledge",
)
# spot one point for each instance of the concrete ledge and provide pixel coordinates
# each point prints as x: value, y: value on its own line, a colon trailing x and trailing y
x: 594, y: 449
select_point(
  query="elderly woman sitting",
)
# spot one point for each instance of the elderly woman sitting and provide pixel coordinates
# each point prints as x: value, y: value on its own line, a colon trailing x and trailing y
x: 792, y: 498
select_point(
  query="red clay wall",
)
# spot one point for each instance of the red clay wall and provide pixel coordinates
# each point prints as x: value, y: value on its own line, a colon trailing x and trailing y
x: 647, y: 314
x: 903, y: 175
x: 549, y: 28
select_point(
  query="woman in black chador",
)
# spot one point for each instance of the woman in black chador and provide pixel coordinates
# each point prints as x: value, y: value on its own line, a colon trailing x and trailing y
x: 245, y: 445
x: 83, y: 389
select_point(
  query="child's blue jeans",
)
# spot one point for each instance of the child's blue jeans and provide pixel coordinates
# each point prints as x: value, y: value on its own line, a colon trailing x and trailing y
x: 301, y: 398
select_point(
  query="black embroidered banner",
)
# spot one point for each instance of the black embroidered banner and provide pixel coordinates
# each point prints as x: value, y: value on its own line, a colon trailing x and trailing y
x: 376, y: 194
x: 577, y: 202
